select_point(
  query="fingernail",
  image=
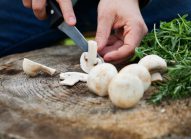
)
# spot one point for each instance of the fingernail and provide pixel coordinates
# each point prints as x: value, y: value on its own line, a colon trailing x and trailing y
x: 72, y: 20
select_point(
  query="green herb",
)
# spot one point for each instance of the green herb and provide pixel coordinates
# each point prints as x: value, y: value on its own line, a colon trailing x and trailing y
x: 172, y: 41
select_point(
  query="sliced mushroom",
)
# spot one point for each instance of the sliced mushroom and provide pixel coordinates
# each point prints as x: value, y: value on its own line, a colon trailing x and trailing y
x: 154, y: 64
x: 89, y: 59
x: 32, y: 68
x: 99, y: 78
x: 125, y: 90
x: 71, y: 78
x: 69, y: 81
x: 140, y: 71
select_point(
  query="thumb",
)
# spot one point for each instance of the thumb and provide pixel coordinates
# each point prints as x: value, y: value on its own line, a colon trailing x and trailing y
x: 67, y: 11
x: 105, y: 22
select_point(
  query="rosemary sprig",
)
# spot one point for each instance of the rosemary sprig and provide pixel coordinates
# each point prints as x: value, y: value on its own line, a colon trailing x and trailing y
x: 172, y: 41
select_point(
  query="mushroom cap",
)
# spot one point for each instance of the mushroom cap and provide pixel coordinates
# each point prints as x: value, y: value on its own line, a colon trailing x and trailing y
x: 140, y: 71
x: 153, y: 63
x: 84, y: 63
x: 31, y: 68
x: 99, y: 78
x: 125, y: 90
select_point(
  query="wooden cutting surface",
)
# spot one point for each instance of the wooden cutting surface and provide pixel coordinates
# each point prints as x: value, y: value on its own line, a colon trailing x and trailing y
x: 40, y: 108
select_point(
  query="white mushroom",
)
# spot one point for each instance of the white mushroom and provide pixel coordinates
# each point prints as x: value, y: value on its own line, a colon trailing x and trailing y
x: 99, y: 78
x: 140, y: 71
x: 89, y: 59
x: 32, y: 68
x: 71, y: 78
x: 154, y: 64
x: 125, y: 90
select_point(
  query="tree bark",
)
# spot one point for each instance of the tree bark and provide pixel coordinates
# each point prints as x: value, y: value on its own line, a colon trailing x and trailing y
x: 40, y: 108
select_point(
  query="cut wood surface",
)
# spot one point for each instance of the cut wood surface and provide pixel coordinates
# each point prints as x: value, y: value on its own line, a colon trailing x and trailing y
x: 40, y: 108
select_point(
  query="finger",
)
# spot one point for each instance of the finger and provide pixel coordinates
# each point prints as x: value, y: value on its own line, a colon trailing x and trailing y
x: 119, y: 54
x: 27, y: 3
x: 111, y: 48
x: 132, y: 38
x: 121, y: 62
x: 67, y: 11
x: 105, y: 22
x: 112, y: 39
x: 39, y: 8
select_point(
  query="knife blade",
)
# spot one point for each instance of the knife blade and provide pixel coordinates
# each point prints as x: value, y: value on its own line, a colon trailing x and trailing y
x: 75, y: 35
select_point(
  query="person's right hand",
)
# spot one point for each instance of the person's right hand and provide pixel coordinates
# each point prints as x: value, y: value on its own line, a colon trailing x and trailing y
x: 39, y: 9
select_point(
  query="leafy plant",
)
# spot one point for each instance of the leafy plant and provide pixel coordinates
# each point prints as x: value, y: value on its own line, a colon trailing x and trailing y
x: 172, y: 41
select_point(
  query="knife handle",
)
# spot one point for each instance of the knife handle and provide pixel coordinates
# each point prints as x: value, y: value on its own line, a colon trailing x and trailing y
x: 54, y: 11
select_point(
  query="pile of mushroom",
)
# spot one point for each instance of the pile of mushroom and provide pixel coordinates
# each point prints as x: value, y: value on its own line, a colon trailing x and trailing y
x: 127, y: 87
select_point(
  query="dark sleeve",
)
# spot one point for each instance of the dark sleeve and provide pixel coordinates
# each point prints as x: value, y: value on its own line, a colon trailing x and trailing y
x: 143, y: 3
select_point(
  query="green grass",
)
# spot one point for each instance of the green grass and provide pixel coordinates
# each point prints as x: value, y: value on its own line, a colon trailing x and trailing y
x: 172, y: 41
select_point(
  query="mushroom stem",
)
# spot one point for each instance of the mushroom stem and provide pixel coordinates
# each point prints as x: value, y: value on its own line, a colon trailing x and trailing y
x: 47, y: 70
x: 90, y: 59
x: 156, y: 77
x: 92, y: 53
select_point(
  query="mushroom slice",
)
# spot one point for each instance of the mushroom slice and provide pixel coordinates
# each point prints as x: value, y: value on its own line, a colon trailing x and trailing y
x: 69, y: 81
x: 153, y: 63
x: 125, y: 90
x: 156, y: 77
x: 99, y: 78
x: 89, y: 59
x: 140, y: 71
x: 71, y: 78
x: 32, y: 68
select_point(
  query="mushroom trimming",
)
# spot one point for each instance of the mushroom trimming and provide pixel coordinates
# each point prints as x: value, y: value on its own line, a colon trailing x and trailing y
x: 140, y: 71
x: 89, y: 59
x: 99, y: 78
x: 32, y: 68
x: 155, y: 65
x: 71, y: 78
x: 125, y: 90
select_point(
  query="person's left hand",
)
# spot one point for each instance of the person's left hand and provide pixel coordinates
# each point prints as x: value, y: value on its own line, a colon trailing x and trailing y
x: 124, y: 17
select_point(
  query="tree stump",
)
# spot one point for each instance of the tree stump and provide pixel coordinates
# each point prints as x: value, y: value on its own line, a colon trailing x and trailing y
x: 40, y: 108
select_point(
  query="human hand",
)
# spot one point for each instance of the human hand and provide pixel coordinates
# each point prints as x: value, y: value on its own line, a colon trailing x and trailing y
x: 124, y: 17
x: 39, y: 9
